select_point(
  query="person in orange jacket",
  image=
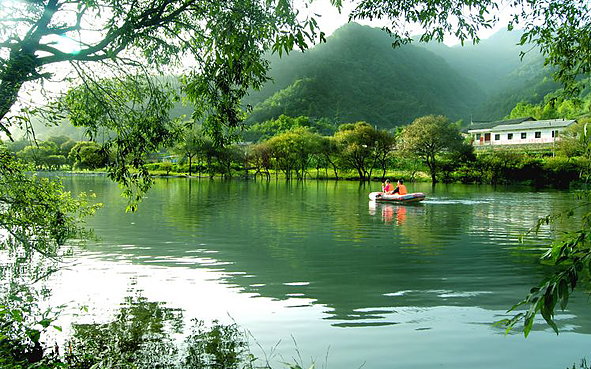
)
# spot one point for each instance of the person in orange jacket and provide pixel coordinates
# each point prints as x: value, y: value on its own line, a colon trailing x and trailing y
x: 401, y: 188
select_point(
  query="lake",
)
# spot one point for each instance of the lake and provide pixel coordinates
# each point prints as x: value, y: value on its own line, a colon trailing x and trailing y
x: 317, y: 268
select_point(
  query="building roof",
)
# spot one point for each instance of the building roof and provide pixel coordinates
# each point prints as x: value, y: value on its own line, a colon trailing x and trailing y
x: 537, y: 124
x: 477, y: 125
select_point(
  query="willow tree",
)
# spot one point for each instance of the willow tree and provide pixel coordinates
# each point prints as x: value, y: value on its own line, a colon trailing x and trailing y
x: 115, y: 57
x: 119, y: 55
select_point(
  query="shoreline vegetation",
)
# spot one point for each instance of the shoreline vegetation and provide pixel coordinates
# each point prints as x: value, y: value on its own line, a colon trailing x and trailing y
x: 421, y: 177
x: 430, y: 149
x: 505, y: 168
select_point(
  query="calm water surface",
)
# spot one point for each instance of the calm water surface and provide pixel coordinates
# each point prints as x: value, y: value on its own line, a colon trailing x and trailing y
x: 379, y: 285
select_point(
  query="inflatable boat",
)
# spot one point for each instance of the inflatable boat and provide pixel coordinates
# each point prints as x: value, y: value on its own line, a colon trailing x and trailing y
x: 409, y: 197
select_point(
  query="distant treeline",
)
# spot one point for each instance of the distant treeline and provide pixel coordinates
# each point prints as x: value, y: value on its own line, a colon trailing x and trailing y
x: 294, y: 148
x: 58, y: 152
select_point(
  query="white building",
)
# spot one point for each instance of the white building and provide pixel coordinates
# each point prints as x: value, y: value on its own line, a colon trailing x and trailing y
x: 517, y: 132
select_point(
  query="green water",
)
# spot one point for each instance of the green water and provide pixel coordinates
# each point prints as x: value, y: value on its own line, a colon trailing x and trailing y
x: 317, y: 263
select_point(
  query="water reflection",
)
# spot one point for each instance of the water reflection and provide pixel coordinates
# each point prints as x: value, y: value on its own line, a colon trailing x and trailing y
x: 317, y: 241
x: 396, y: 213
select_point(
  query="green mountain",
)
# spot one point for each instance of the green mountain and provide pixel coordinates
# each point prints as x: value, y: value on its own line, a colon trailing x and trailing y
x: 357, y: 75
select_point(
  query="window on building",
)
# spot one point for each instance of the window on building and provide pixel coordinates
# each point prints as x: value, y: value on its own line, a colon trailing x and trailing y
x: 509, y: 136
x: 554, y: 133
x: 497, y: 137
x: 523, y: 135
x: 538, y: 134
x: 478, y: 136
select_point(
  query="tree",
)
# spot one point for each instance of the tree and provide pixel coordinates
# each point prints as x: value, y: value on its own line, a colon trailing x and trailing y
x: 36, y: 213
x: 571, y: 143
x: 362, y: 146
x: 55, y: 162
x: 18, y: 145
x: 189, y: 145
x: 261, y: 158
x: 38, y: 153
x: 58, y: 140
x: 429, y: 136
x: 292, y: 151
x: 65, y: 149
x: 88, y: 155
x: 561, y: 30
x: 329, y: 150
x: 384, y: 145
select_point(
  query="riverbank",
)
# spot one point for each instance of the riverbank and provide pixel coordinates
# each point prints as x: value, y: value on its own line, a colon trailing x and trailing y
x: 322, y: 175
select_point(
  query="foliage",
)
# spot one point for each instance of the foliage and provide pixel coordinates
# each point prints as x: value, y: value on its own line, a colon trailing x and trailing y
x: 36, y: 212
x: 190, y: 145
x: 37, y: 217
x: 17, y: 145
x: 38, y: 153
x: 22, y: 325
x: 140, y: 126
x: 260, y: 158
x: 571, y: 255
x: 330, y: 153
x: 131, y: 43
x: 58, y: 140
x: 361, y: 146
x: 429, y: 136
x: 292, y: 150
x: 553, y: 106
x: 66, y: 147
x: 88, y: 155
x: 272, y: 127
x: 572, y: 143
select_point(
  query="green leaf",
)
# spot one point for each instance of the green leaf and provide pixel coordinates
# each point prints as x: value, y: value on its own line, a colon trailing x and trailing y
x: 45, y: 323
x: 563, y: 292
x: 529, y: 321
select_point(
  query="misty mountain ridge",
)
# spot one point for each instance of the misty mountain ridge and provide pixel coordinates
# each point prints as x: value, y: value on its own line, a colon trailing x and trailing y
x: 357, y: 75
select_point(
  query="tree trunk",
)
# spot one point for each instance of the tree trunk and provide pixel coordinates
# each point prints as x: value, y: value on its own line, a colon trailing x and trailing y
x: 190, y: 158
x: 21, y: 66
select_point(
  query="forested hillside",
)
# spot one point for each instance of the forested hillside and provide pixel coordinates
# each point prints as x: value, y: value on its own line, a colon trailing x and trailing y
x: 357, y: 75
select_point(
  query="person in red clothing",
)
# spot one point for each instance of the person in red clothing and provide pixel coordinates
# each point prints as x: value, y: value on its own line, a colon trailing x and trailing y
x: 386, y: 187
x: 401, y: 188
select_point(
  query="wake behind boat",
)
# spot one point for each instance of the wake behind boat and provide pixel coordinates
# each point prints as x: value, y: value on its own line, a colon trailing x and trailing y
x: 409, y: 197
